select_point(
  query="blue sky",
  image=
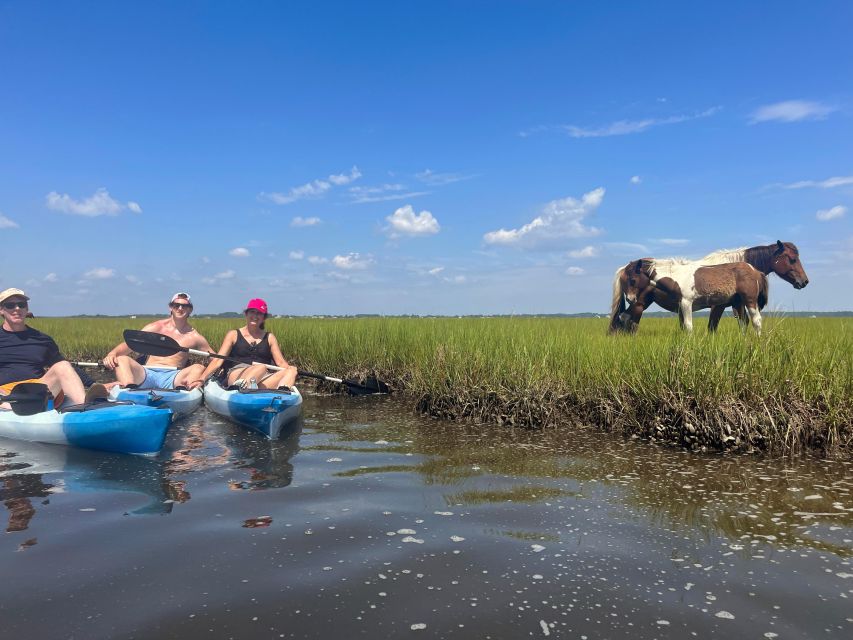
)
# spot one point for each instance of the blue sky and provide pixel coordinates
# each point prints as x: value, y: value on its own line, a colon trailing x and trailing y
x: 426, y: 158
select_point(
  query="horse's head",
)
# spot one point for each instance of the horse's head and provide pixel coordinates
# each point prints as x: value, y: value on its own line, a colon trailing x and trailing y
x: 637, y: 276
x: 786, y: 264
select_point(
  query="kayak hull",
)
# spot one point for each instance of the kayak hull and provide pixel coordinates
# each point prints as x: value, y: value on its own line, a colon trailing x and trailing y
x: 267, y: 412
x: 104, y: 426
x: 180, y: 401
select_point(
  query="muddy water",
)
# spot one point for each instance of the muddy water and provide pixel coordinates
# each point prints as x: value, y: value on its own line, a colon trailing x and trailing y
x: 370, y: 522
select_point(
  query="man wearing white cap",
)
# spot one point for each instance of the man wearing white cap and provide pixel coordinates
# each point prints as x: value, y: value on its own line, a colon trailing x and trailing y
x: 27, y: 355
x: 163, y: 372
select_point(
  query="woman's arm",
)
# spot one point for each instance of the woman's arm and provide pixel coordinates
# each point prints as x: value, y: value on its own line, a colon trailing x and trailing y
x: 224, y: 350
x: 277, y: 356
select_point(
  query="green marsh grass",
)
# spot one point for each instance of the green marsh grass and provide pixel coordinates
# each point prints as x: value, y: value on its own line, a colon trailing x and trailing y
x: 787, y: 390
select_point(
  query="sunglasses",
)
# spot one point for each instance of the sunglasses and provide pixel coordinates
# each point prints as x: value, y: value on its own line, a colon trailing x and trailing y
x: 14, y: 305
x: 180, y: 305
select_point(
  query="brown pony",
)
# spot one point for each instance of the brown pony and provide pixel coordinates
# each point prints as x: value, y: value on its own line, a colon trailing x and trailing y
x: 781, y: 258
x: 735, y: 284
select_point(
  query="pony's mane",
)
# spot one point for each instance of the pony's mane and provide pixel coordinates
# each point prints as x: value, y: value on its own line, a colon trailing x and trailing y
x: 725, y: 255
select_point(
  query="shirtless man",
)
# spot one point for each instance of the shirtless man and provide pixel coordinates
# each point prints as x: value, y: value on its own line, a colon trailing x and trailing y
x: 27, y: 355
x: 163, y: 372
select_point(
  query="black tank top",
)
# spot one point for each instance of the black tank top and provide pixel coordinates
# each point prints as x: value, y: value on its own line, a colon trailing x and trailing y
x: 258, y: 352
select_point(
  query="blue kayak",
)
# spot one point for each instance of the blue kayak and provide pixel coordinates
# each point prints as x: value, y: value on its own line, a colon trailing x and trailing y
x: 265, y: 411
x: 180, y: 401
x: 105, y: 426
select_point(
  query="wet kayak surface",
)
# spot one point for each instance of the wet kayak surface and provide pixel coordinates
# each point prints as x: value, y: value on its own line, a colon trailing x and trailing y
x: 366, y: 521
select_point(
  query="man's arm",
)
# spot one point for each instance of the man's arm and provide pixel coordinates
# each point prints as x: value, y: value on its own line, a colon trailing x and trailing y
x: 121, y: 349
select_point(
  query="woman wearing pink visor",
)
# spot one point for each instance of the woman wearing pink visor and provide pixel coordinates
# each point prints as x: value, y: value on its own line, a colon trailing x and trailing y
x: 252, y: 344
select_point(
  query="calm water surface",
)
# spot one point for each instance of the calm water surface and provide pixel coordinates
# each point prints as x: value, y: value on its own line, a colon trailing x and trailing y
x: 371, y: 522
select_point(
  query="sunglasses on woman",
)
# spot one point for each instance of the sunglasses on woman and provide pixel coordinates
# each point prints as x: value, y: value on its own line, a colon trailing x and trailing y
x: 14, y: 305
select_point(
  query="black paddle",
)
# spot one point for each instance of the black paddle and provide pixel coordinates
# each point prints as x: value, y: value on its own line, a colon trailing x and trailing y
x: 156, y: 344
x: 27, y: 398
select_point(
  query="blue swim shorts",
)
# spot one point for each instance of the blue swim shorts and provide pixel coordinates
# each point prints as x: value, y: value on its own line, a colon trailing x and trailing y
x: 159, y: 378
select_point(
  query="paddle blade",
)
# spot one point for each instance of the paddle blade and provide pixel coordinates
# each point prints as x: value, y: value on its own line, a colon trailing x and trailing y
x: 27, y: 398
x: 151, y: 344
x: 370, y: 386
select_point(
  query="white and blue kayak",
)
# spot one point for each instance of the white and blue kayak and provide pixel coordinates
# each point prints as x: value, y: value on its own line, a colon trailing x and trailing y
x: 262, y: 410
x: 105, y: 426
x: 181, y: 401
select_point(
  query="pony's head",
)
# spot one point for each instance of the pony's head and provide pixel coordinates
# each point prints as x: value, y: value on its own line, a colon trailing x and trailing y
x: 636, y: 278
x: 786, y: 264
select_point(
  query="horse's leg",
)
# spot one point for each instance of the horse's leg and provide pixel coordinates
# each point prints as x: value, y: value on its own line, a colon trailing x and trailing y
x: 714, y: 319
x: 685, y: 315
x: 740, y: 314
x: 755, y: 316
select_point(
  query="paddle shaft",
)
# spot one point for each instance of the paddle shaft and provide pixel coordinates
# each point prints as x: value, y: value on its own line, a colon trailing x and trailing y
x: 271, y: 367
x: 157, y: 344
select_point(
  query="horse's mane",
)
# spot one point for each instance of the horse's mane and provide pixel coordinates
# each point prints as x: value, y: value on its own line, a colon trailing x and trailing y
x: 725, y: 255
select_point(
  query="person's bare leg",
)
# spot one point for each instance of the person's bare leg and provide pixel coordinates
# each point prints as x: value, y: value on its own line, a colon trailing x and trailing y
x: 188, y: 374
x: 129, y: 371
x: 285, y: 378
x: 62, y: 377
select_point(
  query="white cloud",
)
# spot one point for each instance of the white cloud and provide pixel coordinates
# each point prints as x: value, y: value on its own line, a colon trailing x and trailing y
x: 133, y: 280
x: 51, y: 277
x: 586, y: 252
x: 317, y: 260
x: 456, y: 280
x: 829, y: 183
x: 837, y: 211
x: 239, y: 252
x: 435, y: 271
x: 673, y: 242
x: 383, y: 193
x: 6, y: 223
x: 99, y: 204
x: 429, y: 177
x: 313, y: 189
x: 297, y: 255
x: 560, y: 219
x: 627, y: 248
x: 223, y: 275
x: 100, y: 273
x: 405, y: 222
x: 791, y: 111
x: 635, y: 180
x: 299, y: 221
x: 622, y: 127
x: 342, y: 179
x: 352, y: 262
x: 575, y: 271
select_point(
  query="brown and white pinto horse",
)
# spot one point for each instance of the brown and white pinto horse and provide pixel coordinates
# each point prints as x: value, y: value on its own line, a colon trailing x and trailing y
x: 781, y: 258
x: 735, y: 284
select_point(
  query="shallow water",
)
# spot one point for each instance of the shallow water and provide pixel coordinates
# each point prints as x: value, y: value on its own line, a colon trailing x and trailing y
x: 372, y: 522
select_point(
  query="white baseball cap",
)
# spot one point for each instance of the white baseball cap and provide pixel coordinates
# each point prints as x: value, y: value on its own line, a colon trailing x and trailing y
x: 181, y: 295
x: 8, y: 293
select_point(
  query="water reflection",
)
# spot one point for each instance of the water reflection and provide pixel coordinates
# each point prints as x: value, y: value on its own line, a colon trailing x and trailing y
x: 758, y: 501
x: 267, y: 462
x: 31, y: 471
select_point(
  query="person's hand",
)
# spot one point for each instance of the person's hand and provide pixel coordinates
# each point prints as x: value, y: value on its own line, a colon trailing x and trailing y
x: 194, y: 383
x: 109, y: 361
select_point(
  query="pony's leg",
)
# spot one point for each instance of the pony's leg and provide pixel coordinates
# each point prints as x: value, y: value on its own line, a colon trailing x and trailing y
x: 714, y: 319
x: 755, y: 316
x: 740, y: 314
x: 685, y: 315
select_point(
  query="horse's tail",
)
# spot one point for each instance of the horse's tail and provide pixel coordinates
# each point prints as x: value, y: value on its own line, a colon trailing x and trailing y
x: 617, y: 304
x: 763, y: 291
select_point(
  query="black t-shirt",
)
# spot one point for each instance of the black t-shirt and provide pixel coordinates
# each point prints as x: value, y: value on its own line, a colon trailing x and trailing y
x: 26, y: 354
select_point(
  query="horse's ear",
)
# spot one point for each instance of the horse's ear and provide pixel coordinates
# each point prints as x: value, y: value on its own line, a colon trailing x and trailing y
x: 638, y: 266
x: 779, y: 246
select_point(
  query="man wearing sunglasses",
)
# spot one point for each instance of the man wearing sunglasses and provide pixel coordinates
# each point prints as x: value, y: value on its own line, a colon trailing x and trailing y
x: 27, y: 355
x: 163, y: 372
